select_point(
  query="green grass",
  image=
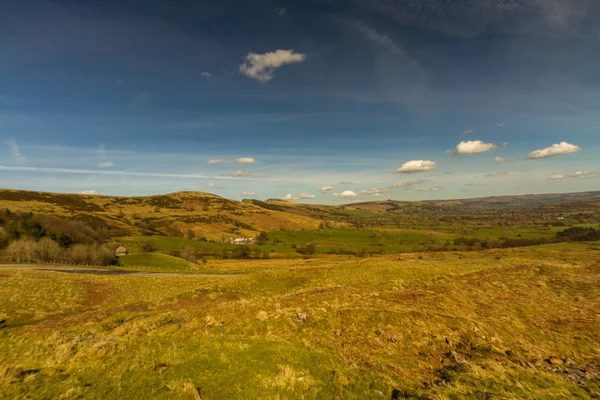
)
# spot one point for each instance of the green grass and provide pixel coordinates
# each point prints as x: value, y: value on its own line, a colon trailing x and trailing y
x: 156, y: 262
x: 374, y: 325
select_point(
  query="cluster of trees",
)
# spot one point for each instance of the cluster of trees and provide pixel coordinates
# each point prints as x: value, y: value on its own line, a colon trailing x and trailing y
x: 25, y: 237
x: 578, y: 234
x: 45, y: 250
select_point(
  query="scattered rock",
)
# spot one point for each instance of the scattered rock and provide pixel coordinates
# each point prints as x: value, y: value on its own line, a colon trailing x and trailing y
x: 530, y: 365
x: 393, y: 339
x: 569, y: 362
x: 337, y: 332
x: 555, y: 361
x: 457, y: 358
x: 302, y: 316
x: 449, y: 342
x: 160, y: 368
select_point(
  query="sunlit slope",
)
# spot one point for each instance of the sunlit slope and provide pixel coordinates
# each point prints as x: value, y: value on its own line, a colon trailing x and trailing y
x: 171, y: 214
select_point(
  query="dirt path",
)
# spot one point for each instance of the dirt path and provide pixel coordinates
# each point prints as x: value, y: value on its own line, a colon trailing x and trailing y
x: 102, y: 271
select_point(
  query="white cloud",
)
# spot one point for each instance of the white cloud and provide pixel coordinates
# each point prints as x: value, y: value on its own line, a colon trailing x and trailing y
x: 428, y: 189
x: 473, y: 146
x: 326, y: 189
x: 578, y: 174
x: 554, y: 150
x: 407, y: 184
x: 217, y: 161
x: 493, y: 174
x: 499, y: 160
x: 249, y: 194
x: 89, y: 192
x: 417, y: 166
x: 346, y: 183
x: 15, y: 152
x: 375, y: 191
x: 500, y: 124
x: 214, y: 186
x: 261, y: 66
x: 377, y: 194
x: 205, y: 74
x: 240, y: 173
x: 345, y: 194
x: 584, y: 174
x: 245, y: 160
x: 468, y: 132
x: 505, y: 144
x: 298, y: 196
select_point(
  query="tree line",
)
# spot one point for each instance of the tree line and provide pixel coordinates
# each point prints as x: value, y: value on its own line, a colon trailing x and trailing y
x: 28, y: 237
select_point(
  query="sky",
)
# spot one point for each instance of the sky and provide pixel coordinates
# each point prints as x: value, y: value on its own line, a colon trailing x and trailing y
x: 315, y: 101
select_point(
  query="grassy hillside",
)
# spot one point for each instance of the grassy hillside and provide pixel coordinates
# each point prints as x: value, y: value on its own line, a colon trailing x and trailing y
x: 173, y: 214
x: 509, y: 324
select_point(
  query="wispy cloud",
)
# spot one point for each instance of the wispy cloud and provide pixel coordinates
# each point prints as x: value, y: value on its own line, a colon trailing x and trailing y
x: 408, y: 184
x: 417, y: 166
x: 428, y: 189
x: 89, y: 192
x: 326, y: 189
x: 103, y: 161
x: 346, y: 183
x: 494, y: 174
x: 500, y: 124
x: 123, y: 173
x: 245, y: 160
x: 261, y: 67
x: 375, y: 191
x: 554, y: 150
x: 249, y: 194
x: 214, y: 186
x: 217, y: 161
x: 240, y: 173
x: 15, y: 152
x: 499, y: 160
x: 205, y: 74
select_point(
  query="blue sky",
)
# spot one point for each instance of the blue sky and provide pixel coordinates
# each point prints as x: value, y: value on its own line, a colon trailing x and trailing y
x: 317, y: 101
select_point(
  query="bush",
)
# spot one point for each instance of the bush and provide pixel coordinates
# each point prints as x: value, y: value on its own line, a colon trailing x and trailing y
x: 309, y: 249
x: 189, y: 254
x: 147, y: 247
x: 262, y: 238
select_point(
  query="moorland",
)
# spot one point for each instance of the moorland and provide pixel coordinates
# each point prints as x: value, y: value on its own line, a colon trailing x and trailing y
x: 494, y: 297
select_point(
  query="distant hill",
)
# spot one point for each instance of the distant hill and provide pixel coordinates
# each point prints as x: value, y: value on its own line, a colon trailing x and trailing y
x: 170, y: 214
x: 206, y: 214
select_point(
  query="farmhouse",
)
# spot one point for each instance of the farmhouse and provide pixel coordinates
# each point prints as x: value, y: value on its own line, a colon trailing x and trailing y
x: 242, y: 241
x: 121, y: 251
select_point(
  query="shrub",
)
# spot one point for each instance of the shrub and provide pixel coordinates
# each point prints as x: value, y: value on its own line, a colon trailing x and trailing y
x: 147, y: 247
